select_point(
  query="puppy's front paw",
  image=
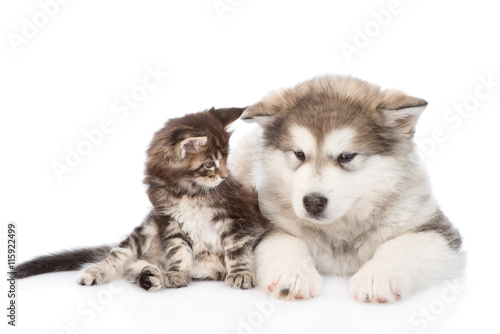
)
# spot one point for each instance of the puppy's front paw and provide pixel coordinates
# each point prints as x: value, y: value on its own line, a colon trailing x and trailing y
x: 91, y: 276
x: 151, y: 279
x: 375, y: 285
x: 295, y: 282
x: 241, y: 280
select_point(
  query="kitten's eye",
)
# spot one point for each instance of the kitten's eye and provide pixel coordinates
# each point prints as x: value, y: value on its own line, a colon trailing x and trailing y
x: 208, y: 164
x: 300, y: 155
x: 346, y: 157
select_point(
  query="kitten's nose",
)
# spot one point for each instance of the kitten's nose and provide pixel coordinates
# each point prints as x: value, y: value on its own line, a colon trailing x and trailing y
x: 223, y: 172
x: 314, y: 203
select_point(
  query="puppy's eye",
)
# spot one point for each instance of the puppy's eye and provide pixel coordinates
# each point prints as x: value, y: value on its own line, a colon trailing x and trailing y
x: 300, y: 155
x: 346, y: 157
x: 208, y: 164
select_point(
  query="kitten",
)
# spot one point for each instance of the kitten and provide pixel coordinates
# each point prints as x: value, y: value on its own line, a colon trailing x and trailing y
x: 203, y: 226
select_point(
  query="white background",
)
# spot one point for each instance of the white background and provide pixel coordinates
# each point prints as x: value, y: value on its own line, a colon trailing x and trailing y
x: 70, y: 74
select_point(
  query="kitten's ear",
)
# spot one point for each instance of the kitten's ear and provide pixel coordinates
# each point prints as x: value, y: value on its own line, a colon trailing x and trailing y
x: 227, y: 116
x: 191, y: 145
x: 401, y: 111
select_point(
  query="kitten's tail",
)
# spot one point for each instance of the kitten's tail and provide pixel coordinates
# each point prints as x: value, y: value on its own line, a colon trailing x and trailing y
x: 64, y: 261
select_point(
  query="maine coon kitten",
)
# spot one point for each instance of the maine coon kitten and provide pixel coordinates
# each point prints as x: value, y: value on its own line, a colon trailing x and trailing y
x: 203, y: 225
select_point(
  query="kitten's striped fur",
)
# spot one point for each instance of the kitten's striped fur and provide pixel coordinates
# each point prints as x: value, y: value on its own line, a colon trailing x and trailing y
x: 203, y: 226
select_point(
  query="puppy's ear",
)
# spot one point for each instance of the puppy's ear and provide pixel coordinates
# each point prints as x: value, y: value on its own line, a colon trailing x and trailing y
x: 191, y: 145
x: 265, y: 111
x: 401, y: 111
x: 259, y: 113
x: 227, y: 116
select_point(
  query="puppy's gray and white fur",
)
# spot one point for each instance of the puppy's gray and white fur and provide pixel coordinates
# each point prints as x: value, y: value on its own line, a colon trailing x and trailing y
x: 339, y: 177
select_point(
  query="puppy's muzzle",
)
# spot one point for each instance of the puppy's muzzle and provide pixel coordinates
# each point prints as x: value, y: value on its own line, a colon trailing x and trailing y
x: 314, y: 203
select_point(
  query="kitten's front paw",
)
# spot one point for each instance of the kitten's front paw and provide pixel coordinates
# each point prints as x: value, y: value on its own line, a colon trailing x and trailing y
x: 294, y: 282
x: 241, y: 280
x: 176, y: 279
x: 91, y: 276
x: 151, y: 279
x: 375, y: 285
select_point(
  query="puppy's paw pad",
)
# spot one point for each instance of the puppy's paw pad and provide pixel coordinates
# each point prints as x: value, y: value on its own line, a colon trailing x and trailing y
x: 375, y: 286
x: 296, y: 282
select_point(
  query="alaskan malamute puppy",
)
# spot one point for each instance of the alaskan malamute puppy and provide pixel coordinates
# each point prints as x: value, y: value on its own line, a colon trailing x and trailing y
x: 340, y: 179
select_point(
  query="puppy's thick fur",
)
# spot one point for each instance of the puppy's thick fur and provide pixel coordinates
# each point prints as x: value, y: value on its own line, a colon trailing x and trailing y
x: 339, y: 177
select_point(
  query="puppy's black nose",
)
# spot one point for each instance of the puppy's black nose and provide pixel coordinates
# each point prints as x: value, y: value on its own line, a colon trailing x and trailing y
x: 314, y: 203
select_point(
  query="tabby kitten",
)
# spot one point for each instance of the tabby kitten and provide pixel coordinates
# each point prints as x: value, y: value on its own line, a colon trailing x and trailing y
x: 203, y: 225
